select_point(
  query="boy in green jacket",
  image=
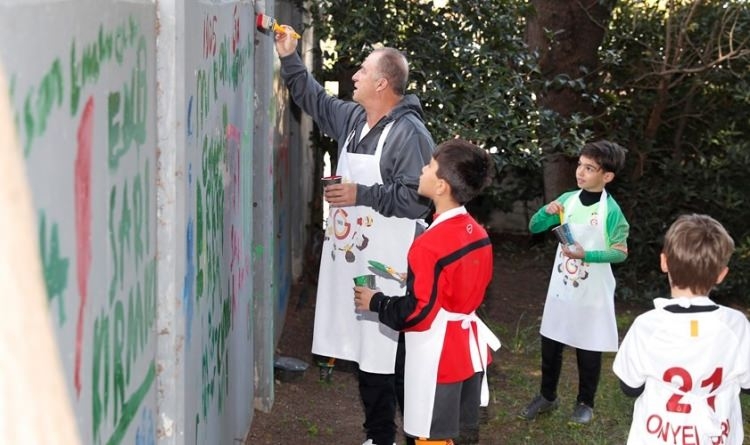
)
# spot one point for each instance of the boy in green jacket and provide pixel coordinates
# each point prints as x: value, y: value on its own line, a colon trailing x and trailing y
x: 580, y: 310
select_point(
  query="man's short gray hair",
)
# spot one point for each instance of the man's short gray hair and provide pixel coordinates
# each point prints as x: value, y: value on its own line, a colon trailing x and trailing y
x: 393, y: 65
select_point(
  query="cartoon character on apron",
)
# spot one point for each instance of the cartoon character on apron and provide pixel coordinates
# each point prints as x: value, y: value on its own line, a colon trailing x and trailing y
x: 359, y: 234
x: 579, y: 310
x: 421, y: 366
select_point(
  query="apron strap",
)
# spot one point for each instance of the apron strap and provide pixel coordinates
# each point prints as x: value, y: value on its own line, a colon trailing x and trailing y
x: 348, y: 140
x: 381, y: 141
x: 378, y: 148
x: 478, y: 345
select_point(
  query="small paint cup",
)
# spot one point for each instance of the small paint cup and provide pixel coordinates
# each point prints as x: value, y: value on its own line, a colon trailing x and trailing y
x: 563, y: 234
x: 330, y: 180
x: 365, y: 281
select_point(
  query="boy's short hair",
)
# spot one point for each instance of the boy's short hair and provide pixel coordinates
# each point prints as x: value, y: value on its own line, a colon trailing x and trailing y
x: 467, y: 168
x: 697, y: 249
x: 610, y: 156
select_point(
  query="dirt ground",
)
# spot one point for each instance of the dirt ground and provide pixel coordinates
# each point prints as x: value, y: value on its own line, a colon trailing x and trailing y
x: 308, y: 411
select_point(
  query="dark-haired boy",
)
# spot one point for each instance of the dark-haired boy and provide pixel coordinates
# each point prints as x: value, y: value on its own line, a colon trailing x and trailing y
x: 580, y: 310
x: 450, y: 267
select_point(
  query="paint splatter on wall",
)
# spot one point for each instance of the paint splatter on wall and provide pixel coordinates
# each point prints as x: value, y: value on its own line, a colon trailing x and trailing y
x: 86, y: 101
x: 85, y: 108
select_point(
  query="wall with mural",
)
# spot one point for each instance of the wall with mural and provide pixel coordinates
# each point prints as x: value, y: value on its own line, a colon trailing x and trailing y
x: 157, y: 149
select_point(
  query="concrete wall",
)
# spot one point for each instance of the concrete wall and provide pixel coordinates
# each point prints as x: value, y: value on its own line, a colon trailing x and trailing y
x: 160, y: 162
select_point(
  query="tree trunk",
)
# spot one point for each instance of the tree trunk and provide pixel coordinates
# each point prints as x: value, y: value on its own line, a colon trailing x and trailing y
x: 567, y: 35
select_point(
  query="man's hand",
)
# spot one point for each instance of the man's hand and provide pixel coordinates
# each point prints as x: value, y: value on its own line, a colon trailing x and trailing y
x: 341, y: 195
x: 285, y: 43
x: 362, y: 297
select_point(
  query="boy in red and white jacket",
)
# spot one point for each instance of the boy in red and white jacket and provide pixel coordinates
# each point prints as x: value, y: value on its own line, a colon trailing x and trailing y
x: 450, y: 267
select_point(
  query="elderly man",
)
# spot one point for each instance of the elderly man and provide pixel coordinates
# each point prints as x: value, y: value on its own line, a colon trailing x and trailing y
x: 382, y: 146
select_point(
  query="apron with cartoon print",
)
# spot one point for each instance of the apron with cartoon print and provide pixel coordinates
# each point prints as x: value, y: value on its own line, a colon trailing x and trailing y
x: 354, y: 235
x: 421, y: 366
x: 580, y: 306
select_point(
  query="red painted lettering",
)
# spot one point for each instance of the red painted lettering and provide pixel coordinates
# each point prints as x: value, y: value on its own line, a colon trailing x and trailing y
x: 209, y: 36
x: 672, y: 433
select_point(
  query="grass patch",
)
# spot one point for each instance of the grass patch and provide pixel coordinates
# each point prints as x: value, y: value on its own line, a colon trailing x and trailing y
x: 522, y: 337
x: 514, y: 381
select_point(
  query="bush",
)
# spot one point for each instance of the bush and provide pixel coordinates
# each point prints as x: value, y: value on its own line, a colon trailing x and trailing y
x: 673, y: 89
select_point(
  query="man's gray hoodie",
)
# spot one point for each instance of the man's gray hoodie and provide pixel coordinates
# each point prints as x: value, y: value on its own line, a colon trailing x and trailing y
x: 407, y: 149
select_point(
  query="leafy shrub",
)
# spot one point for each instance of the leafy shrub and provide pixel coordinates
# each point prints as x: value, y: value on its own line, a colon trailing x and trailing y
x: 672, y: 87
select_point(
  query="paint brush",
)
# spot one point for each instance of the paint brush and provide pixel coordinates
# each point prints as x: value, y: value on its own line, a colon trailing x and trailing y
x: 386, y: 269
x: 267, y: 23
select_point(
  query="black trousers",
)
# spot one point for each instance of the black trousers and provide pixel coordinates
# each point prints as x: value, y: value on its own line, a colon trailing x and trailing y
x: 466, y: 397
x: 380, y: 394
x: 589, y: 371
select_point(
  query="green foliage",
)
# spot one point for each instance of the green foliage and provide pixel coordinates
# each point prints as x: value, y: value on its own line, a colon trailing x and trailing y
x: 470, y: 68
x: 675, y: 93
x: 672, y: 86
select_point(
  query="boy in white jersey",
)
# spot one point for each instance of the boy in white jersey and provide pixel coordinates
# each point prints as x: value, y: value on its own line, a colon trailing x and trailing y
x: 688, y: 359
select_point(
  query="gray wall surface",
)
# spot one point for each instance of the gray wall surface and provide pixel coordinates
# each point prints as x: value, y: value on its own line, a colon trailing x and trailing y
x: 170, y: 203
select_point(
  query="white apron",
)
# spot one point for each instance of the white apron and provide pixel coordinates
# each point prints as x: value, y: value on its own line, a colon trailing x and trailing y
x: 421, y: 367
x: 580, y: 306
x: 355, y: 235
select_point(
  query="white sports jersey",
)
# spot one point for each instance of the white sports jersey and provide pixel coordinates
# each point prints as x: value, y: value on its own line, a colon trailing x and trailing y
x: 693, y: 360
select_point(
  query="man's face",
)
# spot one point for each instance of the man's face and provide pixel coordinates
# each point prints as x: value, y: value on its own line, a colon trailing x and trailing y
x: 367, y: 80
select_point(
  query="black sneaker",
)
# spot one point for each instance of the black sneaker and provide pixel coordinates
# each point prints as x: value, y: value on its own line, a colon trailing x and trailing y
x: 582, y: 414
x: 538, y: 406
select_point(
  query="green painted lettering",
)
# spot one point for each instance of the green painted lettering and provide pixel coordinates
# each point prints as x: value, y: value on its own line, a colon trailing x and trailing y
x: 100, y: 374
x: 55, y: 267
x: 118, y: 382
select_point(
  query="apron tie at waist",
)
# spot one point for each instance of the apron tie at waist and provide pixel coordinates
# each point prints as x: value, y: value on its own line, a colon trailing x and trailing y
x: 478, y: 345
x: 423, y: 360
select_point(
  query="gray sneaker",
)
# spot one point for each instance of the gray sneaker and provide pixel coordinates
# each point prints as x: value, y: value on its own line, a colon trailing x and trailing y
x: 582, y: 414
x: 538, y: 406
